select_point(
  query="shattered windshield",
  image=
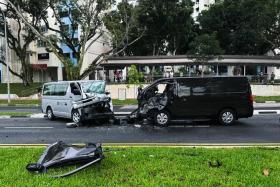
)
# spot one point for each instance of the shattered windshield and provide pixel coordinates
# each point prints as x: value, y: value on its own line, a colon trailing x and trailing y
x: 93, y: 87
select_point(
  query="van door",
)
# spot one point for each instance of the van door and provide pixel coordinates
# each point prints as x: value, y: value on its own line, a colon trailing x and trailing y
x: 62, y: 101
x: 182, y: 103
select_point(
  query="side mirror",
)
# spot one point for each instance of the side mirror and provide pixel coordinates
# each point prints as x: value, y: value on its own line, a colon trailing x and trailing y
x: 140, y: 90
x: 107, y: 93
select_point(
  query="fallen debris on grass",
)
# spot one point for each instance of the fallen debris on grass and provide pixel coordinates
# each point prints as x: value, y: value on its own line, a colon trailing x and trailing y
x: 61, y: 154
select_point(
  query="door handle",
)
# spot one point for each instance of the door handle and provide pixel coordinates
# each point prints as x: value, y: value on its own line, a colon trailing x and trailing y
x: 71, y: 97
x: 65, y: 104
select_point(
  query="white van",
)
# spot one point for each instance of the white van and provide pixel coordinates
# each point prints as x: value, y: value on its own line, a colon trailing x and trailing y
x: 76, y: 100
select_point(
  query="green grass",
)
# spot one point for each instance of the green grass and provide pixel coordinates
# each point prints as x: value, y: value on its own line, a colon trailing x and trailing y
x: 262, y: 99
x: 38, y: 102
x: 258, y: 99
x: 22, y: 102
x: 125, y: 102
x: 18, y: 114
x: 20, y: 90
x: 152, y: 167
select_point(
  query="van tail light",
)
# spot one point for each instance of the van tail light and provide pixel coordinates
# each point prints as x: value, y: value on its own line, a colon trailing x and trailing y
x: 251, y: 98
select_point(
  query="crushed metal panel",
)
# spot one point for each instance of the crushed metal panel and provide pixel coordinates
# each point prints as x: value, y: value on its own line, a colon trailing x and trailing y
x: 62, y: 154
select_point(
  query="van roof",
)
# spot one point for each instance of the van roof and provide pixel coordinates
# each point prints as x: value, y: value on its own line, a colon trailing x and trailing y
x: 212, y: 77
x: 58, y: 82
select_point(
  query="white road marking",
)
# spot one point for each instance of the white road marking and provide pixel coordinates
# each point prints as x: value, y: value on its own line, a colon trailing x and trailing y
x: 266, y: 112
x: 192, y: 126
x: 28, y: 127
x: 122, y: 113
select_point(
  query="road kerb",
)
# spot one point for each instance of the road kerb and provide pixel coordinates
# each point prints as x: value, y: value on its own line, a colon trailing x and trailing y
x: 171, y: 145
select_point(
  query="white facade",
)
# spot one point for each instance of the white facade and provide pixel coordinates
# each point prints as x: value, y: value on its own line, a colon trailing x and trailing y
x: 200, y: 5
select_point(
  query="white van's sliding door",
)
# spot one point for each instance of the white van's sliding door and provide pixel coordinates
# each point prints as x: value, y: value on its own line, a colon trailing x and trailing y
x: 62, y: 100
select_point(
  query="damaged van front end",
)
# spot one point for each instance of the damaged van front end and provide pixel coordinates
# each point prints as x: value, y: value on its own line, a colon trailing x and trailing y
x: 98, y: 107
x: 96, y: 103
x: 153, y: 102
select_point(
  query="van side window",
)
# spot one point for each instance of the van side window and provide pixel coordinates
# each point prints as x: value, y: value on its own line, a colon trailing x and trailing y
x: 184, y: 90
x: 61, y: 89
x: 199, y: 90
x: 49, y: 90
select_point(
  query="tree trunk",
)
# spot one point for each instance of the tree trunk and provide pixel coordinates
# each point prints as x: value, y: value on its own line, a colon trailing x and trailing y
x: 27, y: 72
x: 27, y: 76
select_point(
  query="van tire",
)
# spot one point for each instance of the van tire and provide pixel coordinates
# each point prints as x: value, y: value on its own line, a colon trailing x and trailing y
x: 162, y: 118
x: 76, y: 117
x: 50, y: 114
x: 227, y: 117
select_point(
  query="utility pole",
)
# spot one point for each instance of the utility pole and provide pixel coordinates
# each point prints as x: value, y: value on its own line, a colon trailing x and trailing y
x: 7, y: 56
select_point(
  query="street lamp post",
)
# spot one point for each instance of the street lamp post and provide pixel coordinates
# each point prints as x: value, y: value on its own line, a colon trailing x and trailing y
x: 7, y: 56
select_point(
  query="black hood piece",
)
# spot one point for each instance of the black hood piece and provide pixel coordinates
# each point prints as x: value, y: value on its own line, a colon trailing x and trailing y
x: 61, y: 154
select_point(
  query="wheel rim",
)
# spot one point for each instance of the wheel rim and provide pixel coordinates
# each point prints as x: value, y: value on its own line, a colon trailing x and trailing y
x: 76, y: 117
x: 227, y: 117
x: 50, y: 114
x: 162, y: 118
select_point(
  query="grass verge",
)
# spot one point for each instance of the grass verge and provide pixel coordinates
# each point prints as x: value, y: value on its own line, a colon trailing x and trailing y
x: 263, y: 99
x: 153, y: 167
x: 116, y: 102
x: 16, y: 114
x: 21, y: 102
x: 125, y: 102
x: 20, y: 90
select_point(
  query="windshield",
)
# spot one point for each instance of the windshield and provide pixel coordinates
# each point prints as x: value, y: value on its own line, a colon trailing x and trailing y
x: 93, y: 87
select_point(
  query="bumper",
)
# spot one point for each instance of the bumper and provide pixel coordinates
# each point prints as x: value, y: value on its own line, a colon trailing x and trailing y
x: 91, y: 113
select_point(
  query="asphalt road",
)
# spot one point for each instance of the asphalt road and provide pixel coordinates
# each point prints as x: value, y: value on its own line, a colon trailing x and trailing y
x: 258, y: 129
x: 257, y: 106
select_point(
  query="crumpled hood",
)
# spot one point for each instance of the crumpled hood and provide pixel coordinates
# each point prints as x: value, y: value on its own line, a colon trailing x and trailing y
x: 94, y: 98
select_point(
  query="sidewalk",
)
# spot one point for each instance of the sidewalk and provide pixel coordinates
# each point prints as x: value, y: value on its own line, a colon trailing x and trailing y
x: 267, y: 105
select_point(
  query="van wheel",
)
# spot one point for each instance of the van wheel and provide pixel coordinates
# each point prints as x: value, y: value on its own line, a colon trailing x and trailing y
x: 227, y: 117
x: 50, y: 114
x: 76, y: 117
x: 162, y: 118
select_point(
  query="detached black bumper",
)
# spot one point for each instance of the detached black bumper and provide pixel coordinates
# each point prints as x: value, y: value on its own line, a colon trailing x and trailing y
x: 96, y: 112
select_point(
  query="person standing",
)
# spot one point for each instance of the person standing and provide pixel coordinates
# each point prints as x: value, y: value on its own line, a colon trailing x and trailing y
x: 272, y: 77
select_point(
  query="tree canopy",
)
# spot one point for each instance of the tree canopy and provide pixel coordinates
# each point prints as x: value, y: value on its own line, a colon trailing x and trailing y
x: 168, y: 26
x: 238, y: 25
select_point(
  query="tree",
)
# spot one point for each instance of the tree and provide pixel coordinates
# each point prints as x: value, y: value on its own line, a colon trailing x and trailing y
x: 20, y: 38
x: 205, y: 48
x: 268, y: 24
x: 123, y: 20
x: 234, y: 21
x: 87, y: 15
x: 168, y: 26
x: 134, y: 77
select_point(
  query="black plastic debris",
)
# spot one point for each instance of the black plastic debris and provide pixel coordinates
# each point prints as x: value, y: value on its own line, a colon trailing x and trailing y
x: 61, y: 154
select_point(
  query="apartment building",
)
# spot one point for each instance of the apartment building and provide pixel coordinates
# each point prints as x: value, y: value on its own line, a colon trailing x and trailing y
x: 46, y: 66
x: 200, y: 5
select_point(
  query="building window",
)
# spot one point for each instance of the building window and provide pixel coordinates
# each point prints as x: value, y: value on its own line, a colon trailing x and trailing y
x: 43, y: 56
x: 64, y: 28
x: 43, y: 29
x: 75, y: 27
x: 64, y: 14
x: 41, y: 43
x: 74, y: 55
x: 197, y: 9
x: 75, y: 41
x: 67, y: 55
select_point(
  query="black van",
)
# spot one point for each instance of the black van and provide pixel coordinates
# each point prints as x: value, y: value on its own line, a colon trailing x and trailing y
x: 225, y: 99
